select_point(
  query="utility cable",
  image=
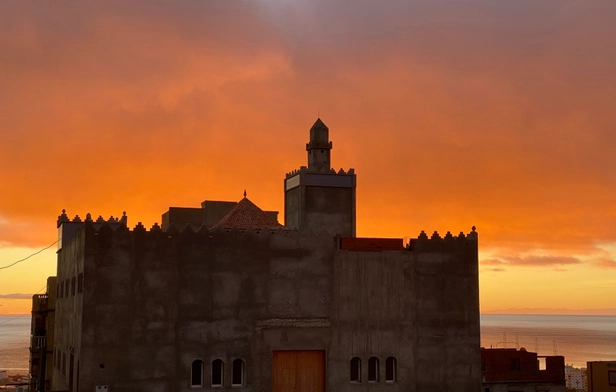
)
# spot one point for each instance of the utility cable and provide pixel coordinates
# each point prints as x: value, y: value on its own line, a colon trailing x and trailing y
x: 33, y: 254
x: 23, y: 315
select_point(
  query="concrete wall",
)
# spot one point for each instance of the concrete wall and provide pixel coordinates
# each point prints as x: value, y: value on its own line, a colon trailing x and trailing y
x: 321, y: 201
x: 69, y: 307
x: 156, y: 301
x: 599, y: 379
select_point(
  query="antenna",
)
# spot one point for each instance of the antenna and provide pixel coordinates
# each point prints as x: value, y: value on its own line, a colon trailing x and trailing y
x: 555, y: 347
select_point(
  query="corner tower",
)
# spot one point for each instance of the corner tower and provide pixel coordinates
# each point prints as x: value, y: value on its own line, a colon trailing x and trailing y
x: 317, y: 197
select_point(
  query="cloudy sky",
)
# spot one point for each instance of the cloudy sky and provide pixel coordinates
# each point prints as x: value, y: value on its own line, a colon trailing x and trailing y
x: 498, y: 114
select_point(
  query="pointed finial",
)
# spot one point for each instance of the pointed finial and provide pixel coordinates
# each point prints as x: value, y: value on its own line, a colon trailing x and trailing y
x: 244, y: 193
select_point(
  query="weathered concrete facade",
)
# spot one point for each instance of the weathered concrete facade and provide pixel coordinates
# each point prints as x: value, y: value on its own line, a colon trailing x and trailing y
x: 317, y: 197
x: 158, y: 306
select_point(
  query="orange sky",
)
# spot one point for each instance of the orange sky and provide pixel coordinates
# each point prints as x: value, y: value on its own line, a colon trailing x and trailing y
x: 497, y: 114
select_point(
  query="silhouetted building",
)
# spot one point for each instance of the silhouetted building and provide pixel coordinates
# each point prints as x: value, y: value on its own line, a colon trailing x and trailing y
x: 601, y: 376
x: 508, y: 369
x: 224, y: 296
x: 42, y: 337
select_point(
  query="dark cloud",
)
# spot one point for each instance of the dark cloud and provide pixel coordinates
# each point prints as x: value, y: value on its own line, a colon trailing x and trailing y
x: 16, y: 296
x: 496, y: 114
x: 532, y: 261
x: 491, y: 262
x: 497, y: 269
x: 605, y: 263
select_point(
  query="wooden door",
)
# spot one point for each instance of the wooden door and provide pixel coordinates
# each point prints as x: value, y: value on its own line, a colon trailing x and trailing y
x: 298, y: 371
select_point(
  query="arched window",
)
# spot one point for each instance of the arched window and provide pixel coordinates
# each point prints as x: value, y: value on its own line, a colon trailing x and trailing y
x: 390, y: 369
x: 355, y: 369
x: 218, y: 368
x: 196, y: 373
x: 373, y: 369
x: 237, y: 373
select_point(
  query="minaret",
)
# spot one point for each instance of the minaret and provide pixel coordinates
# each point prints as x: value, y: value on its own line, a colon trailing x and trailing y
x: 318, y: 198
x: 319, y: 147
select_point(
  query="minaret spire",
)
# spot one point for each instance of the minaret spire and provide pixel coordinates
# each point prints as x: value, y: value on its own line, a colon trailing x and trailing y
x: 319, y: 147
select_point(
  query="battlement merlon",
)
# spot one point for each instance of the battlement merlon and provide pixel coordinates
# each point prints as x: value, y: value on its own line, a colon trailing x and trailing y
x: 302, y: 169
x: 341, y: 179
x: 67, y: 228
x: 436, y: 243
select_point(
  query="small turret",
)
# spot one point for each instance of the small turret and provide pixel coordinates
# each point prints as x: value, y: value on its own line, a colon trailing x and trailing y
x: 318, y: 198
x: 319, y: 147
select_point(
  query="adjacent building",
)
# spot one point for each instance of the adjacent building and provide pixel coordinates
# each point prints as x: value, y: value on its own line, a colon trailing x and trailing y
x: 512, y: 370
x: 601, y: 376
x: 576, y: 378
x: 226, y: 297
x: 42, y: 337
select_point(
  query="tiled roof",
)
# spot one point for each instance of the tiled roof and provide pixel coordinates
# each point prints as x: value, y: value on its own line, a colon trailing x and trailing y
x: 247, y: 215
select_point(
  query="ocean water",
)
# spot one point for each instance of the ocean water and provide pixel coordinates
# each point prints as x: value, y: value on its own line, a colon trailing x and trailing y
x: 14, y: 343
x: 578, y: 338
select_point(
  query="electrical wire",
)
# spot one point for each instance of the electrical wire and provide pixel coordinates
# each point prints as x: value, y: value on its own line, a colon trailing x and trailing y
x: 33, y: 254
x: 23, y: 315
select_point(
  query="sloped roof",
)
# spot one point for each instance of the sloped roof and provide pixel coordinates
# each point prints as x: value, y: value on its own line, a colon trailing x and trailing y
x: 246, y: 215
x: 319, y: 124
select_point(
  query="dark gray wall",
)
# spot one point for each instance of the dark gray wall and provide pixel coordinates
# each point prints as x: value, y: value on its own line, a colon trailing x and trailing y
x: 154, y: 301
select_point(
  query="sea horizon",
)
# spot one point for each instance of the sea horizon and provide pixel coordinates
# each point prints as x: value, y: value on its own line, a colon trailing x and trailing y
x: 579, y: 338
x: 507, y: 311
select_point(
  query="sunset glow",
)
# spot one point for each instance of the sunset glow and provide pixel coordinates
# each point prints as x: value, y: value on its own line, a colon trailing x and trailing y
x: 495, y: 114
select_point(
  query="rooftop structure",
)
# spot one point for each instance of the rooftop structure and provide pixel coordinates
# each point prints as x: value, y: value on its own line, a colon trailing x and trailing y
x: 224, y: 296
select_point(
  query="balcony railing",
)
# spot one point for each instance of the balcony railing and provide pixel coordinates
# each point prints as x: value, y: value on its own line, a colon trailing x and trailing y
x: 37, y: 342
x: 42, y: 299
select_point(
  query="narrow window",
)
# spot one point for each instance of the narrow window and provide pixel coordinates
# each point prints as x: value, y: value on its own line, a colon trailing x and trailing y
x: 73, y: 281
x: 355, y: 369
x: 237, y: 373
x: 515, y: 364
x: 373, y: 369
x: 63, y: 363
x: 390, y: 369
x: 217, y: 372
x: 196, y: 373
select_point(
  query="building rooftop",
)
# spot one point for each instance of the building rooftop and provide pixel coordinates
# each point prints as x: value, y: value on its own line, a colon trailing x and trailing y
x: 246, y: 215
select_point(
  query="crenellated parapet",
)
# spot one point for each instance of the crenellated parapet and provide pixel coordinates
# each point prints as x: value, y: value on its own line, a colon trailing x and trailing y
x: 63, y: 218
x: 446, y: 243
x: 304, y: 169
x: 67, y: 228
x: 296, y: 171
x: 154, y: 245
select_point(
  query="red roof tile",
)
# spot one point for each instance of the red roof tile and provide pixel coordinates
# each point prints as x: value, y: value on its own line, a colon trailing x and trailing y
x: 246, y: 215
